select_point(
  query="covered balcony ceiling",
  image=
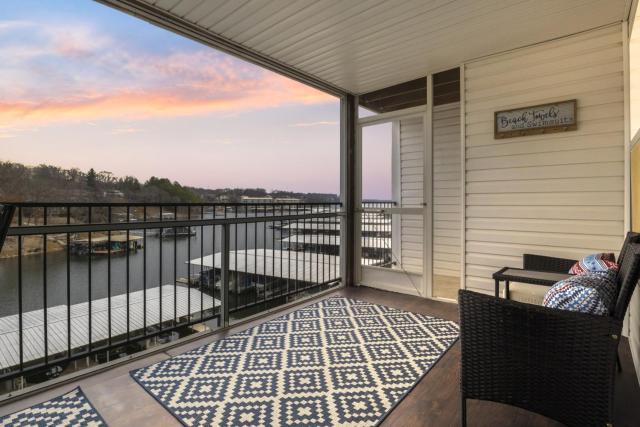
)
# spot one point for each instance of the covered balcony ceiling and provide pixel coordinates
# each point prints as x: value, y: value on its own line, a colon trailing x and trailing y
x: 360, y: 46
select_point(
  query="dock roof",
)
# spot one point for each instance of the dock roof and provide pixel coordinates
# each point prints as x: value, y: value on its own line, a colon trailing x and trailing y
x: 33, y: 321
x: 293, y: 265
x: 327, y: 240
x: 382, y: 227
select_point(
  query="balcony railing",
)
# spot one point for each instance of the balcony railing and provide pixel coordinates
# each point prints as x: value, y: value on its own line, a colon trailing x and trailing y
x: 377, y: 234
x: 98, y: 281
x: 324, y: 237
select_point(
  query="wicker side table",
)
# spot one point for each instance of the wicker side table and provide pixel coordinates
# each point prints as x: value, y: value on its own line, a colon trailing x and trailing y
x: 520, y: 275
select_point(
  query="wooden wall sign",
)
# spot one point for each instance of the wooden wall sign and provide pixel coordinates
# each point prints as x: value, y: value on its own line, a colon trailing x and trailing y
x: 538, y: 119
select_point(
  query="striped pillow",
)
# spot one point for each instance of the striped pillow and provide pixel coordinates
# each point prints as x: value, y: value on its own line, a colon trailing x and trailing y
x: 590, y: 292
x: 594, y: 263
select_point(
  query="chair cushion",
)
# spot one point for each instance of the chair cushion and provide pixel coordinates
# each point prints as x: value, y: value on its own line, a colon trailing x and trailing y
x: 592, y: 293
x: 530, y: 294
x: 594, y: 263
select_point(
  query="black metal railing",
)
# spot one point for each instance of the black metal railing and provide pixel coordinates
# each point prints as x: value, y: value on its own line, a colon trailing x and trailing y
x: 377, y: 233
x: 83, y: 280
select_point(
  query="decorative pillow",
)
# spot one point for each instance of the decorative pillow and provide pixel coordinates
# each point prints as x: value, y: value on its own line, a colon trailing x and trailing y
x: 591, y: 292
x: 594, y: 263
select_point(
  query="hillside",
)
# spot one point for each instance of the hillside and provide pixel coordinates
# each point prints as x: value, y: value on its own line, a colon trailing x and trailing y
x: 46, y: 183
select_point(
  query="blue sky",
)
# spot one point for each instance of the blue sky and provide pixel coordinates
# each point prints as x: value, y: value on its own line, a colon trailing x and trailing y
x: 85, y: 86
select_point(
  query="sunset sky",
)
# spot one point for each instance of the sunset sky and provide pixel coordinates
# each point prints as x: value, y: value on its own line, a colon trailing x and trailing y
x: 82, y: 85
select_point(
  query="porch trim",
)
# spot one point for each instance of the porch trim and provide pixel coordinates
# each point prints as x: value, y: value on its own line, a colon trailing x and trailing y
x: 463, y: 178
x: 627, y: 126
x: 427, y: 228
x: 407, y: 113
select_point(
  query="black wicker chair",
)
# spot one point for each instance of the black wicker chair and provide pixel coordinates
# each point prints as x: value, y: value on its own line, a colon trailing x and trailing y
x: 6, y: 215
x: 557, y: 363
x: 563, y: 265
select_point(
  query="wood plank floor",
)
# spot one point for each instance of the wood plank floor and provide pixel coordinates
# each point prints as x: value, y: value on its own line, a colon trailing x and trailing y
x: 433, y: 402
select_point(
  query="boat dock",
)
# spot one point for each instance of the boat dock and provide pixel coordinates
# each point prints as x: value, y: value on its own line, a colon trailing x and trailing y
x: 33, y: 321
x: 103, y: 244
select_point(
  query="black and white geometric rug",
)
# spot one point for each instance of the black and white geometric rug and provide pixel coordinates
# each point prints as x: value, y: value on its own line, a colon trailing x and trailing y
x: 70, y: 409
x: 338, y: 362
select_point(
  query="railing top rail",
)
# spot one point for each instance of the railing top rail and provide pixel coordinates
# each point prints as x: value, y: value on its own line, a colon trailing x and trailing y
x: 163, y: 204
x: 124, y: 226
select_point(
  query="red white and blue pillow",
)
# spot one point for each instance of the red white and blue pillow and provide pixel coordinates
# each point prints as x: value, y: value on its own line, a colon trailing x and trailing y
x: 596, y: 263
x: 589, y: 292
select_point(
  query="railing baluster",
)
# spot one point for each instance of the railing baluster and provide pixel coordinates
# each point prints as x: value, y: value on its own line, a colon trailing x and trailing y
x: 160, y: 264
x: 323, y: 222
x: 255, y: 259
x: 235, y: 258
x: 202, y: 264
x: 189, y: 266
x: 128, y: 250
x: 390, y: 234
x: 273, y: 252
x: 68, y: 284
x: 318, y: 255
x: 44, y: 293
x: 109, y: 280
x: 175, y: 268
x: 213, y: 259
x: 246, y: 244
x: 221, y: 256
x: 20, y: 314
x: 304, y: 249
x: 144, y: 272
x: 337, y: 228
x: 224, y: 273
x: 264, y: 251
x: 213, y: 263
x: 289, y: 252
x: 326, y: 224
x: 89, y: 277
x: 280, y: 251
x: 297, y: 249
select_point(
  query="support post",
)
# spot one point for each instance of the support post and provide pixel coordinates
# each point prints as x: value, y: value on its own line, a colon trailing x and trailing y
x: 349, y: 116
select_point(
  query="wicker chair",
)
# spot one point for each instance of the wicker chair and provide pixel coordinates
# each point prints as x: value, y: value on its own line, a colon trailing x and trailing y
x: 557, y: 363
x: 563, y: 265
x: 6, y: 215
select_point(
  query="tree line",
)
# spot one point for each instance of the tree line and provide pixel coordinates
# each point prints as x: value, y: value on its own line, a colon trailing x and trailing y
x: 47, y: 183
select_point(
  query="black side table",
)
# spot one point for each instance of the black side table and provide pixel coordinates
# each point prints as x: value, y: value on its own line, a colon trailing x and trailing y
x: 508, y: 274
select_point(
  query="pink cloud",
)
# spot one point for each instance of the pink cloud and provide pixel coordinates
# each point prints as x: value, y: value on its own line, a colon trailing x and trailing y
x: 98, y: 79
x: 158, y: 103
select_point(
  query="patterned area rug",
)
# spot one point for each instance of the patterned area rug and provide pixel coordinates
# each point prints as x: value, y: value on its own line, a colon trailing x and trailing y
x: 70, y: 409
x: 338, y: 362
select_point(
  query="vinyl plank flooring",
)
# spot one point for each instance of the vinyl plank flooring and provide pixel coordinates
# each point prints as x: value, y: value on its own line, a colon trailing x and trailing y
x: 434, y: 401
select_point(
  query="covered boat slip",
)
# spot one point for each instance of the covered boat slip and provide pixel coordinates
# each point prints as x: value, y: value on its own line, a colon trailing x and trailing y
x: 369, y: 227
x: 187, y: 302
x: 292, y: 265
x: 326, y: 240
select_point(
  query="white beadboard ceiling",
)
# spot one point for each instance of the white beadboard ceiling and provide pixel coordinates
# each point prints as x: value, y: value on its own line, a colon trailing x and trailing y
x: 363, y: 45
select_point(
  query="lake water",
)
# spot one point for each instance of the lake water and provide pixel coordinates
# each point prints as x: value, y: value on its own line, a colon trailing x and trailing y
x: 248, y: 237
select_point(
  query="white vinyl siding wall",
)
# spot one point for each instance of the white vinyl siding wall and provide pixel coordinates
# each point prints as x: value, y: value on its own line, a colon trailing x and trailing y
x: 447, y: 190
x: 411, y: 136
x: 559, y: 194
